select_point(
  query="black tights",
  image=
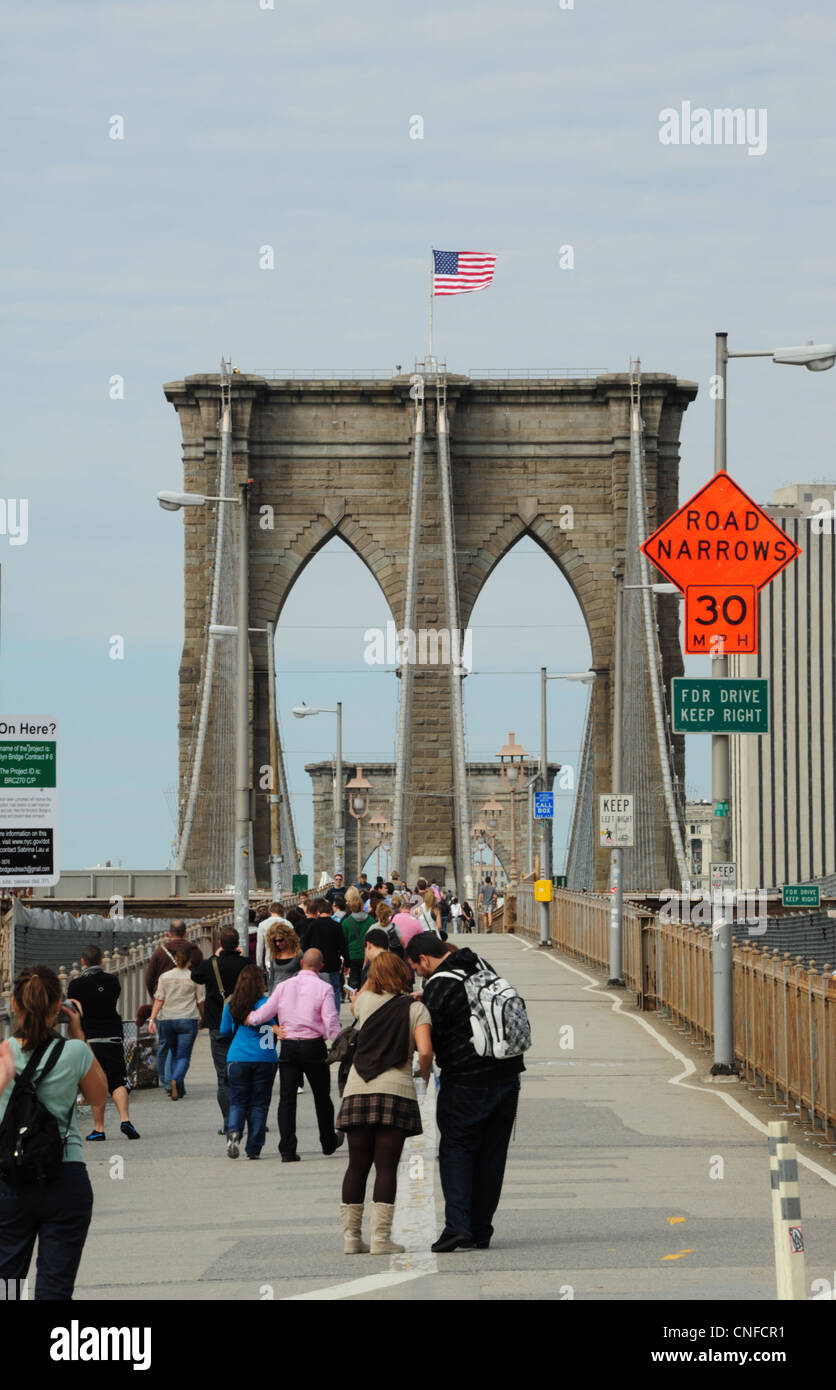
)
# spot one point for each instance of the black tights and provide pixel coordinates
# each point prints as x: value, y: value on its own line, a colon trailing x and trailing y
x: 380, y: 1145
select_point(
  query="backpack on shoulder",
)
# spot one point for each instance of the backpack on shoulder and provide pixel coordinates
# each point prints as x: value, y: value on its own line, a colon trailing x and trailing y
x: 499, y: 1023
x: 395, y: 943
x: 31, y: 1142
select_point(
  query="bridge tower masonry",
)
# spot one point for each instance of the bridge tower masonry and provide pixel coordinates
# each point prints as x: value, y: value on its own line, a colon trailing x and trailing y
x: 333, y: 457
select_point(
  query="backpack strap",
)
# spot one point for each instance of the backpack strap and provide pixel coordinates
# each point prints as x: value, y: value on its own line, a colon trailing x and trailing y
x: 37, y: 1057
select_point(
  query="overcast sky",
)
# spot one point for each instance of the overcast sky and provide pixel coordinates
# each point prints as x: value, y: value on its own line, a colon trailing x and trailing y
x: 291, y: 127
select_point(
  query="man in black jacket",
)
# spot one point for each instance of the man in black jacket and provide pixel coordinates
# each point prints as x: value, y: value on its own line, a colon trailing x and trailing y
x: 322, y: 933
x: 229, y: 962
x: 477, y: 1099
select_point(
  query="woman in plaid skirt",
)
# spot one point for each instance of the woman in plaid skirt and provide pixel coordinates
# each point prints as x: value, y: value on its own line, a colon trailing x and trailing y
x: 380, y: 1107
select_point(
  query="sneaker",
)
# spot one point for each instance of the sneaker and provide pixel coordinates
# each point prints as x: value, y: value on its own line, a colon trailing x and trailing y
x: 221, y: 1130
x: 128, y: 1130
x: 232, y: 1144
x: 253, y: 1155
x: 95, y: 1136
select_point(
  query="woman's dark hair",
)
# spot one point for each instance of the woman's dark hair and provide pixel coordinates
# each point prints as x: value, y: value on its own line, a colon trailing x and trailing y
x: 37, y: 990
x: 182, y: 954
x: 249, y: 988
x: 296, y: 917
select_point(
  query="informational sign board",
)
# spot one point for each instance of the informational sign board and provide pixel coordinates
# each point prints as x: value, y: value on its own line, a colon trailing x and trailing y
x: 720, y: 549
x: 721, y: 808
x: 559, y: 880
x: 616, y: 819
x: 801, y: 895
x: 28, y: 801
x: 300, y: 883
x: 720, y: 706
x: 723, y: 876
x: 544, y: 805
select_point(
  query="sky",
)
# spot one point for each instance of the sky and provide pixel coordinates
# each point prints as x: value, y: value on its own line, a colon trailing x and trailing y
x: 289, y: 127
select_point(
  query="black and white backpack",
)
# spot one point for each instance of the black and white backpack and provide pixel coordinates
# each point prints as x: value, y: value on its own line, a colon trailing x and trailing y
x: 498, y: 1020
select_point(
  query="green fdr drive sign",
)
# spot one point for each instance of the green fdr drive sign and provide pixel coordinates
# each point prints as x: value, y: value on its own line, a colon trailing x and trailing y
x: 720, y: 706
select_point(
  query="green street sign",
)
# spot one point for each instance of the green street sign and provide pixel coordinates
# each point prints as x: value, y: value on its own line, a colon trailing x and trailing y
x: 721, y: 808
x: 801, y: 895
x: 559, y: 880
x: 738, y: 705
x: 300, y: 883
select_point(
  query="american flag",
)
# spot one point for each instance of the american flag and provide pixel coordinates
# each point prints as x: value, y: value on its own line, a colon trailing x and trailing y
x: 460, y: 272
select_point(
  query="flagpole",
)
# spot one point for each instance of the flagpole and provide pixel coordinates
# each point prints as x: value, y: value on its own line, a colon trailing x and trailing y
x: 432, y: 286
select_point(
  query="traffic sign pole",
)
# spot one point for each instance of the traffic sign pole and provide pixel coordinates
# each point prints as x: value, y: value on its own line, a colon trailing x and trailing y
x: 616, y: 877
x: 721, y: 932
x: 545, y: 825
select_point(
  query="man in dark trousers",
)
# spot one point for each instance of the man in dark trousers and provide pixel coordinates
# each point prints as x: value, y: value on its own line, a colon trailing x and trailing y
x: 218, y: 975
x: 162, y: 959
x: 97, y: 991
x: 322, y: 933
x: 477, y: 1100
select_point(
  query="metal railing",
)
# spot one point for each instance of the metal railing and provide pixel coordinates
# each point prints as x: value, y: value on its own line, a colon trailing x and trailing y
x: 389, y: 373
x: 784, y: 1011
x: 129, y: 966
x: 535, y: 373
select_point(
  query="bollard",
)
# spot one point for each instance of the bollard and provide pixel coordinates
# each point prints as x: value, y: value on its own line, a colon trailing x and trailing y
x: 787, y: 1230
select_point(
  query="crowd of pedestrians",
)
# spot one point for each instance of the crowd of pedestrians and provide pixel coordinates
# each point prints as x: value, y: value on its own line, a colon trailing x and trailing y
x: 274, y: 1010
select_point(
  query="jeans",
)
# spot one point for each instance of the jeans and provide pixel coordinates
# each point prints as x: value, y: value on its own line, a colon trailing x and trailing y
x: 163, y: 1058
x: 334, y: 977
x: 306, y: 1057
x: 58, y: 1215
x: 475, y: 1124
x: 219, y: 1047
x: 179, y: 1035
x: 250, y: 1088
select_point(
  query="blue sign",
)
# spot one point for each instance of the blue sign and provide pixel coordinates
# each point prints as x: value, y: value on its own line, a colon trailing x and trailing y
x: 544, y: 805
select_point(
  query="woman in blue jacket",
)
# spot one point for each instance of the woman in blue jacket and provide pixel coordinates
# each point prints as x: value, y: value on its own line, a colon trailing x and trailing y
x: 250, y: 1063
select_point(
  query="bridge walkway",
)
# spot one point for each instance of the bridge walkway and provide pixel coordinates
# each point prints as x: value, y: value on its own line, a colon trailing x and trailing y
x: 622, y: 1183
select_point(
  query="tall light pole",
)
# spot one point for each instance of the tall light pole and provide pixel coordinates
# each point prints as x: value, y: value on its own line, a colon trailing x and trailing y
x: 816, y: 357
x: 301, y: 712
x: 583, y: 678
x: 172, y: 502
x: 491, y: 812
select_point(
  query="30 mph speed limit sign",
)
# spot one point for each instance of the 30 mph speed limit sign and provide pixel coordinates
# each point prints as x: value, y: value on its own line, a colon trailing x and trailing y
x: 721, y: 613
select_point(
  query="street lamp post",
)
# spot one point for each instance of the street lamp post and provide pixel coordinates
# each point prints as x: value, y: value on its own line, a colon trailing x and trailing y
x: 816, y: 357
x: 491, y: 812
x: 379, y: 824
x: 301, y: 712
x: 585, y: 678
x: 358, y: 805
x: 172, y: 502
x: 511, y: 758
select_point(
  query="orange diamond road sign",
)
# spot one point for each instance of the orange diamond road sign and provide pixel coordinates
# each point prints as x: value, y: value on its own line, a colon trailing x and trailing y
x: 720, y: 537
x: 720, y: 548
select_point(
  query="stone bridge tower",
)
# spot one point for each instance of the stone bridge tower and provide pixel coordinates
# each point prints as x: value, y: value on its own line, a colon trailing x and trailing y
x: 547, y: 458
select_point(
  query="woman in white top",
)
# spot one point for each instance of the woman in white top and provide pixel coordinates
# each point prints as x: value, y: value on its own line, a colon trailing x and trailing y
x: 178, y: 1003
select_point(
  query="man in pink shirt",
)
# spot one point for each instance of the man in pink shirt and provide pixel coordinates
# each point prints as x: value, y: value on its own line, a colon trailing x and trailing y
x: 406, y: 926
x: 305, y: 1010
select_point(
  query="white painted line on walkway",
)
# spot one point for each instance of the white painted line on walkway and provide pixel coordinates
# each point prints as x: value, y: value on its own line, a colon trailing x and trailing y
x: 415, y: 1219
x: 688, y: 1067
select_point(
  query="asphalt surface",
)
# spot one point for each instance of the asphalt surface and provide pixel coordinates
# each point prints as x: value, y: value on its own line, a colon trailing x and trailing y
x: 627, y: 1179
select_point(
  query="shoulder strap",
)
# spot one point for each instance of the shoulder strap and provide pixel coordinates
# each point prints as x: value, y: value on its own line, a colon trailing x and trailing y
x: 37, y: 1057
x: 216, y: 968
x: 168, y: 953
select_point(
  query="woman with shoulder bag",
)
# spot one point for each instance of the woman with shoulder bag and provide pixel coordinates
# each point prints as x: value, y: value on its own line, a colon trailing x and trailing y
x: 178, y: 1003
x: 56, y: 1211
x: 380, y: 1107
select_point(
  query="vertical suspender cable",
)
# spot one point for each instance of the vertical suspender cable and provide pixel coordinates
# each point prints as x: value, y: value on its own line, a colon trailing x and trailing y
x: 654, y: 671
x: 209, y: 662
x: 400, y: 810
x: 464, y: 873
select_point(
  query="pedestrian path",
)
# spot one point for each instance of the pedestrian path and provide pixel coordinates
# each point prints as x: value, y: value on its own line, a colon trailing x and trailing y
x: 621, y: 1183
